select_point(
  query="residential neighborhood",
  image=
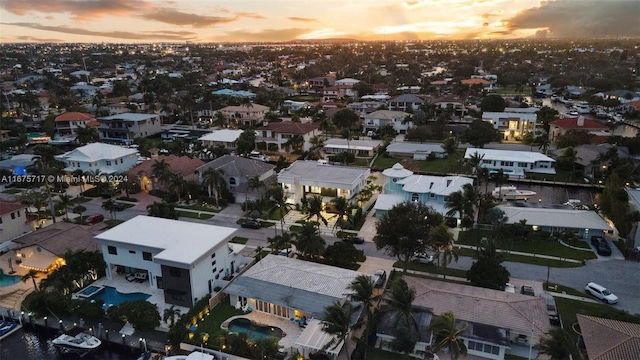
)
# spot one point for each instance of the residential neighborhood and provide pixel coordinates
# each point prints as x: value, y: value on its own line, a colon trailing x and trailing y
x: 378, y: 200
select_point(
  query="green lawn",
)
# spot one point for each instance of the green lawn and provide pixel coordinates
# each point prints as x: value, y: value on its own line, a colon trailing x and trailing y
x: 452, y: 164
x: 211, y: 323
x: 566, y: 290
x: 199, y: 207
x: 12, y: 191
x: 525, y: 259
x: 379, y: 354
x: 433, y: 269
x: 113, y: 222
x: 193, y: 215
x: 511, y: 89
x: 562, y: 176
x: 239, y: 240
x: 364, y: 162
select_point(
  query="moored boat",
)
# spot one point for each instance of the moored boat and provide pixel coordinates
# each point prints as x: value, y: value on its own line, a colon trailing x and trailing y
x: 76, y: 341
x: 510, y: 192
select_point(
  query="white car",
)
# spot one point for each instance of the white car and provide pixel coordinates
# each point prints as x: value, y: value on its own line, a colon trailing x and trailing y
x: 422, y: 258
x: 601, y: 293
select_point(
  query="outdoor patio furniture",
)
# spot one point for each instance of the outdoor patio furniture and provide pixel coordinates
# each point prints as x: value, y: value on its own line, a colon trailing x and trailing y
x: 131, y: 277
x: 141, y: 276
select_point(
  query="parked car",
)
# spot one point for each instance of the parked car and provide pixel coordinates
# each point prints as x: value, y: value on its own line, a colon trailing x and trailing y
x: 604, y: 248
x: 251, y: 224
x: 601, y: 293
x: 595, y: 240
x: 116, y: 206
x: 354, y: 239
x: 422, y: 258
x: 527, y: 290
x: 94, y: 219
x: 379, y: 277
x: 554, y: 318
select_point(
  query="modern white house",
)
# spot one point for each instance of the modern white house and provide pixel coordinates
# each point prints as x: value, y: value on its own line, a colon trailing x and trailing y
x: 225, y: 137
x: 515, y: 164
x: 304, y: 178
x: 498, y: 322
x: 380, y: 118
x: 126, y: 127
x: 360, y: 148
x: 512, y: 125
x: 400, y: 185
x: 297, y: 290
x: 186, y: 260
x: 277, y: 136
x: 416, y: 151
x: 100, y: 158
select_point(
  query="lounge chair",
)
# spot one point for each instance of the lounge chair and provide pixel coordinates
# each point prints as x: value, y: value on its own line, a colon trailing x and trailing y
x: 130, y: 277
x: 141, y: 276
x: 245, y: 307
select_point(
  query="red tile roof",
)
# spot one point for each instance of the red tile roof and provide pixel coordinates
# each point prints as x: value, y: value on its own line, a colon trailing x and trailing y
x: 607, y: 339
x: 75, y: 116
x: 475, y: 81
x: 183, y: 165
x: 7, y: 207
x: 290, y: 127
x: 572, y: 123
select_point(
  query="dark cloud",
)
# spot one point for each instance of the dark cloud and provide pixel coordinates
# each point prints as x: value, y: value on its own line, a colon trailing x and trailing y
x: 79, y: 10
x: 26, y: 38
x: 301, y: 19
x: 581, y: 18
x: 174, y: 17
x: 157, y: 35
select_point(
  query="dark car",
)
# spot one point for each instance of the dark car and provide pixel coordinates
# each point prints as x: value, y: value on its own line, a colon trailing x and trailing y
x: 527, y: 290
x: 251, y: 224
x: 94, y: 219
x: 604, y: 248
x: 118, y: 206
x: 379, y: 277
x: 354, y: 239
x: 554, y: 318
x: 596, y: 240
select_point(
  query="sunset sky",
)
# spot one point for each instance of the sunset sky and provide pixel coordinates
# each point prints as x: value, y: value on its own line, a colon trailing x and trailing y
x: 284, y: 20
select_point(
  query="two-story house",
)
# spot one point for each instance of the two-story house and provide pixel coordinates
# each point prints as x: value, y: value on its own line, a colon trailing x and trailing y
x: 251, y: 114
x: 404, y: 102
x: 512, y: 125
x: 400, y: 185
x: 126, y: 127
x: 186, y: 260
x: 99, y: 158
x: 279, y: 136
x: 237, y: 171
x: 68, y: 123
x: 14, y: 221
x: 400, y: 121
x: 514, y: 164
x: 226, y: 138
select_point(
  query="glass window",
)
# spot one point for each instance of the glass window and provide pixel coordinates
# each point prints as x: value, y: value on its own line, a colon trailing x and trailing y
x: 414, y: 197
x: 146, y: 256
x: 175, y: 272
x: 112, y: 250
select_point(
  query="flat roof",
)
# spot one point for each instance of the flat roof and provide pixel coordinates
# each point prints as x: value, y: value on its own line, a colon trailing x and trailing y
x: 224, y: 135
x: 565, y: 218
x: 97, y: 151
x: 440, y: 185
x: 129, y: 117
x: 314, y: 171
x: 508, y: 155
x: 352, y: 144
x: 178, y: 241
x: 409, y: 147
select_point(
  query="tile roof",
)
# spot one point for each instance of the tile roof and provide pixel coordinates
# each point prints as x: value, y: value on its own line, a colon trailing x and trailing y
x: 7, y: 207
x: 183, y: 165
x: 237, y: 166
x: 516, y: 312
x: 407, y: 98
x: 290, y: 127
x: 97, y: 151
x: 572, y: 123
x: 607, y: 339
x: 60, y: 237
x: 74, y: 116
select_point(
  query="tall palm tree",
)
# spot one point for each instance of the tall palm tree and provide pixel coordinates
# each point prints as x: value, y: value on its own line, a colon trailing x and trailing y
x: 281, y: 242
x: 400, y: 298
x: 447, y: 332
x: 557, y: 344
x: 314, y: 208
x: 161, y: 170
x: 456, y: 203
x: 363, y: 287
x: 65, y: 201
x: 337, y: 322
x: 170, y: 314
x: 343, y: 209
x: 213, y: 180
x: 277, y: 194
x: 31, y: 275
x: 308, y: 241
x: 442, y: 240
x: 255, y: 183
x: 110, y: 205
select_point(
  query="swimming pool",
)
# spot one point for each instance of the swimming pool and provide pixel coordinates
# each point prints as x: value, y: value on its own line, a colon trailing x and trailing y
x: 89, y: 291
x: 255, y: 331
x: 6, y: 280
x: 113, y: 297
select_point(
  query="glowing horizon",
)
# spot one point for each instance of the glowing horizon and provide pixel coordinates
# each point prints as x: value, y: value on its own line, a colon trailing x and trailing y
x: 135, y: 21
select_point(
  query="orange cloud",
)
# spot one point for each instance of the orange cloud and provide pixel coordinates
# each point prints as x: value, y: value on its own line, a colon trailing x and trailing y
x: 80, y: 10
x: 141, y: 36
x: 301, y: 19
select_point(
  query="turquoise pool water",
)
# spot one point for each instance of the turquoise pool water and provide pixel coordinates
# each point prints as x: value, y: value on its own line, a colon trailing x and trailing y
x: 34, y: 135
x: 6, y: 280
x: 113, y: 297
x: 256, y: 332
x: 89, y: 290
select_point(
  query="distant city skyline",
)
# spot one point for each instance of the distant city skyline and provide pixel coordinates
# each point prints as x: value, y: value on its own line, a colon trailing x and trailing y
x: 135, y: 21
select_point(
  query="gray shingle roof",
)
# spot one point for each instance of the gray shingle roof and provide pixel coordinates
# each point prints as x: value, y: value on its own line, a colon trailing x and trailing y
x: 237, y: 166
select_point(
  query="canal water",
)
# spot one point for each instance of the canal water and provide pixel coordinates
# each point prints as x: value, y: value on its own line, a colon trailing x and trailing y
x: 25, y: 344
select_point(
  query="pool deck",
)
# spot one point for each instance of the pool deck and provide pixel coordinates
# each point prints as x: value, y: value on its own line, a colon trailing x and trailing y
x: 11, y: 296
x: 292, y: 329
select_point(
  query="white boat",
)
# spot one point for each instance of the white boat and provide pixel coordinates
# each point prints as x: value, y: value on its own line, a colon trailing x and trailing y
x: 196, y: 355
x: 77, y: 342
x: 510, y: 192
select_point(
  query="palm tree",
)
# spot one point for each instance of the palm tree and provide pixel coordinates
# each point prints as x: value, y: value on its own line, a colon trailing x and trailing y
x: 400, y: 298
x: 213, y: 180
x: 456, y: 203
x: 308, y: 241
x: 314, y: 208
x: 557, y: 344
x: 447, y: 332
x: 442, y: 240
x: 170, y: 314
x: 110, y: 205
x: 343, y: 210
x: 337, y: 322
x: 570, y: 155
x: 277, y: 194
x: 178, y: 186
x: 280, y: 242
x: 363, y: 287
x: 161, y: 170
x: 31, y: 275
x: 255, y: 183
x: 65, y: 201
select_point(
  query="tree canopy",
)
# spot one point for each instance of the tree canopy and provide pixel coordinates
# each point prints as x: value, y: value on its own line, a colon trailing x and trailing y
x: 479, y: 133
